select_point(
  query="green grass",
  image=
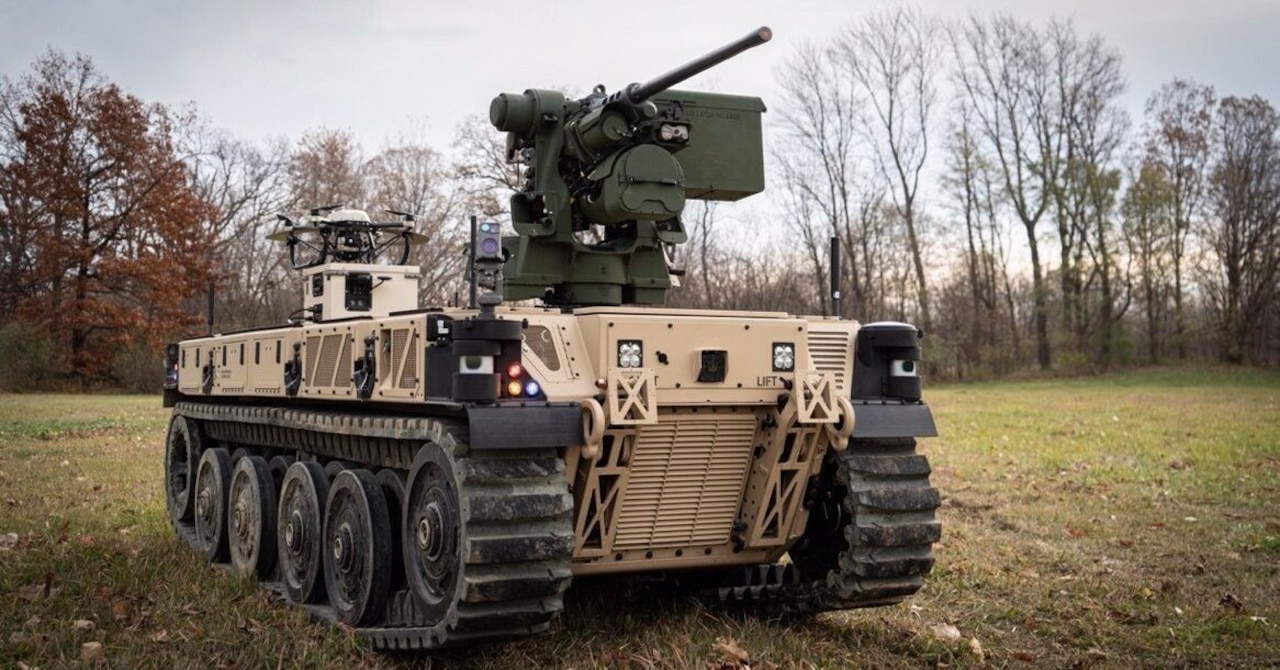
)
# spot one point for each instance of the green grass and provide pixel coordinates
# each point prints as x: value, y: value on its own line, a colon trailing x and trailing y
x: 1120, y: 521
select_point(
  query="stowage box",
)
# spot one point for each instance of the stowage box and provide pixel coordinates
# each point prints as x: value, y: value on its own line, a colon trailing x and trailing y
x: 725, y: 156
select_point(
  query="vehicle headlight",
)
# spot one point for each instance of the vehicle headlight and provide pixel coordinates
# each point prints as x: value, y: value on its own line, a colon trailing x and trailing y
x: 784, y: 356
x: 630, y: 354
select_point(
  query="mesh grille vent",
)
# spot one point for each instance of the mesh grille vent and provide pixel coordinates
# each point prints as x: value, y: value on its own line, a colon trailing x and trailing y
x: 829, y: 352
x: 686, y: 480
x: 330, y: 348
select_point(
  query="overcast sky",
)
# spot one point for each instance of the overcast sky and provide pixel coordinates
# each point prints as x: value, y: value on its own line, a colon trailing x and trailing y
x: 279, y: 67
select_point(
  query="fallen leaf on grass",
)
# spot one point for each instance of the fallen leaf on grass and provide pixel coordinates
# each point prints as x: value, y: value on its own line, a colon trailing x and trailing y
x: 1259, y: 619
x: 34, y: 592
x: 975, y: 648
x: 83, y: 625
x: 732, y: 652
x: 1231, y: 602
x: 120, y: 610
x: 161, y: 635
x: 945, y: 632
x: 8, y: 541
x: 90, y: 652
x: 1023, y: 656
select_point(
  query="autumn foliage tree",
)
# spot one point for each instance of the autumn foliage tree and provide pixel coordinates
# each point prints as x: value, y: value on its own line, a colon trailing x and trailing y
x: 102, y: 232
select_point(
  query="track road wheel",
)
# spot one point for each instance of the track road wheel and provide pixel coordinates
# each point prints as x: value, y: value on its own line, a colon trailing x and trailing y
x: 251, y: 518
x: 300, y: 541
x: 357, y: 540
x: 213, y: 479
x: 181, y: 458
x: 431, y: 532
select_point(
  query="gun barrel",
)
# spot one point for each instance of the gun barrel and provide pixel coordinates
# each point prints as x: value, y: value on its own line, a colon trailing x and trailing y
x: 637, y: 93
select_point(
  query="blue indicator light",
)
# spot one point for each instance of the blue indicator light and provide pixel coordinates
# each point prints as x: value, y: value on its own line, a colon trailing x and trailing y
x: 531, y: 389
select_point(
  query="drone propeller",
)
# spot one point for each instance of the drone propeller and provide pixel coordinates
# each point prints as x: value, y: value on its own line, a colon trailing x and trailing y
x: 318, y: 211
x: 289, y: 232
x: 408, y: 216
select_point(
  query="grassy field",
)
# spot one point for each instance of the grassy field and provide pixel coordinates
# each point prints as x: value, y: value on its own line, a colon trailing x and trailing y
x: 1122, y: 521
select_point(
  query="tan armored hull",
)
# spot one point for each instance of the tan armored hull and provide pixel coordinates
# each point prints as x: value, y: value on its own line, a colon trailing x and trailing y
x: 669, y: 471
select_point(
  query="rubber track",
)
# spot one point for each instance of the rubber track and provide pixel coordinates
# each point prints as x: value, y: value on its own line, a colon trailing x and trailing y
x: 890, y: 533
x: 518, y: 539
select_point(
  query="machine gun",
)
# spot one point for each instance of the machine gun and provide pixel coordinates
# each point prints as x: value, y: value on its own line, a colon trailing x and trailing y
x: 606, y: 179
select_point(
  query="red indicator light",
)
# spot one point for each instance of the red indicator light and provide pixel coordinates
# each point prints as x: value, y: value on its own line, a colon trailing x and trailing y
x: 514, y: 370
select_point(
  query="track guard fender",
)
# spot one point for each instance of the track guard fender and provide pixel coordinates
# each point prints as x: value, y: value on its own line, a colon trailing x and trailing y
x: 892, y: 419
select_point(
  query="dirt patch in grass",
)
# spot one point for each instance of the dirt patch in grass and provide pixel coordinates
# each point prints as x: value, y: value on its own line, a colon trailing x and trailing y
x: 1124, y: 521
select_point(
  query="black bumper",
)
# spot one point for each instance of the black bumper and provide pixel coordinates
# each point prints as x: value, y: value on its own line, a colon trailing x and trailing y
x: 876, y: 418
x: 524, y: 426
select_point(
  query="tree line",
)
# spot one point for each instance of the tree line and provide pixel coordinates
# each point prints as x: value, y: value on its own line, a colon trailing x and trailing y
x: 981, y: 179
x: 1059, y: 232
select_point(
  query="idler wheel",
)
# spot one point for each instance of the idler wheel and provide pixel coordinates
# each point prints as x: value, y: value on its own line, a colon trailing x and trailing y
x: 181, y: 459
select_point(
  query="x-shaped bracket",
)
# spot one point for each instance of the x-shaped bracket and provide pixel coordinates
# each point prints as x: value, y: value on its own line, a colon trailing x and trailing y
x: 631, y: 397
x: 816, y: 398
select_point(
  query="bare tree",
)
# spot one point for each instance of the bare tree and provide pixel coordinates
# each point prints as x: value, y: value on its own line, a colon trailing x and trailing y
x: 409, y: 176
x: 246, y: 186
x: 1089, y: 85
x: 1245, y: 231
x: 484, y: 173
x: 701, y: 258
x: 325, y: 169
x: 1177, y: 134
x: 1007, y: 77
x: 893, y: 57
x: 971, y: 181
x: 815, y: 157
x: 1148, y: 234
x: 823, y: 193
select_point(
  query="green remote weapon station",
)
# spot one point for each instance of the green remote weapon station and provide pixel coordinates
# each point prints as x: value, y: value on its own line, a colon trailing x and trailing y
x: 606, y: 179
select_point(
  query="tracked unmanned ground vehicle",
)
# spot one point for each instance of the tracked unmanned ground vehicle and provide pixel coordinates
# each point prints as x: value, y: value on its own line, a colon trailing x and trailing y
x: 439, y: 476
